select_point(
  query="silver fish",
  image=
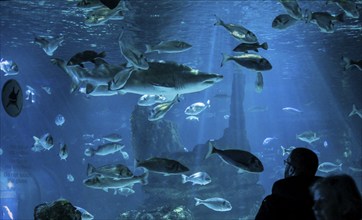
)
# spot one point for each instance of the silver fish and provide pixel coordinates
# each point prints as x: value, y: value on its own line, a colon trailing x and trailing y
x: 160, y: 110
x: 216, y: 204
x: 324, y: 20
x: 63, y: 152
x: 112, y: 137
x: 49, y: 44
x: 43, y: 143
x: 197, y: 108
x: 9, y: 67
x: 148, y: 100
x: 237, y: 31
x: 327, y: 167
x: 104, y: 149
x: 174, y: 46
x: 200, y: 178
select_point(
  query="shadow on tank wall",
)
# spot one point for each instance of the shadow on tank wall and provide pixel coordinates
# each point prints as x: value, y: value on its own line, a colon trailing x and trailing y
x: 160, y: 139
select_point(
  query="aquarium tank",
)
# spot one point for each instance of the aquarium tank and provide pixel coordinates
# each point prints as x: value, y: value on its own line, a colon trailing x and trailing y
x: 172, y: 109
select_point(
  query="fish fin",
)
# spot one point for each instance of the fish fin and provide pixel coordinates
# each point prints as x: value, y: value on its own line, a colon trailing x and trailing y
x: 144, y: 178
x: 218, y: 21
x: 90, y: 169
x: 102, y: 54
x: 340, y: 166
x: 354, y: 110
x: 211, y: 150
x: 184, y: 178
x: 283, y: 150
x: 36, y: 139
x: 264, y: 45
x: 105, y: 189
x: 198, y: 201
x: 148, y: 48
x: 225, y: 58
x: 241, y: 171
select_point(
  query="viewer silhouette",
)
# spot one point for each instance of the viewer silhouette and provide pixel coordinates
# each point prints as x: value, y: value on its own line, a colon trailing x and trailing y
x: 291, y: 198
x: 337, y: 198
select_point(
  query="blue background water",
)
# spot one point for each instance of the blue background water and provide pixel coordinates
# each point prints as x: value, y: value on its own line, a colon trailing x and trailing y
x: 306, y: 75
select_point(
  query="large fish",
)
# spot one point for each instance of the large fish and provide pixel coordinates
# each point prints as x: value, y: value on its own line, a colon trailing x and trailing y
x: 324, y: 20
x: 216, y: 204
x: 348, y: 6
x: 240, y: 159
x: 283, y: 21
x: 293, y: 9
x: 167, y: 79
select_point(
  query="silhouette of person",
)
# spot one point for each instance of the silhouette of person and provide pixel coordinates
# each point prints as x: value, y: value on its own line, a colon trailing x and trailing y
x: 337, y: 198
x: 291, y: 198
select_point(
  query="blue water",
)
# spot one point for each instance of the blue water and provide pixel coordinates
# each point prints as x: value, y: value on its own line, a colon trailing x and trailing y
x: 306, y: 75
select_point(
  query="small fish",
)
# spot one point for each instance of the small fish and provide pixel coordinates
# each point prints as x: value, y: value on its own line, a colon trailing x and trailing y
x: 325, y: 144
x: 104, y: 149
x: 70, y: 177
x: 168, y: 47
x: 160, y: 110
x: 308, y: 136
x: 200, y: 178
x: 216, y: 204
x: 293, y: 9
x: 287, y: 151
x: 125, y: 191
x: 63, y: 152
x: 268, y: 139
x: 47, y: 90
x: 9, y: 67
x: 349, y: 63
x: 237, y: 31
x: 59, y: 120
x: 192, y: 118
x: 118, y: 171
x: 197, y: 108
x: 259, y: 82
x: 148, y: 100
x: 101, y: 15
x: 134, y: 57
x: 163, y: 166
x: 250, y: 61
x: 125, y: 155
x: 9, y: 213
x: 283, y: 21
x: 112, y: 138
x: 244, y: 47
x: 85, y: 215
x: 240, y: 159
x: 49, y: 44
x: 291, y: 109
x: 43, y: 143
x: 327, y: 167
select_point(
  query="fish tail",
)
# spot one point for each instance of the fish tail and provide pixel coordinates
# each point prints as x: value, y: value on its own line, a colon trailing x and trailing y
x: 340, y: 17
x: 184, y: 178
x: 90, y: 169
x: 225, y: 58
x: 198, y: 201
x: 354, y: 110
x: 283, y: 150
x: 346, y: 63
x: 144, y: 178
x: 148, y: 48
x: 211, y: 150
x: 102, y: 54
x: 340, y: 166
x: 264, y: 45
x: 218, y: 21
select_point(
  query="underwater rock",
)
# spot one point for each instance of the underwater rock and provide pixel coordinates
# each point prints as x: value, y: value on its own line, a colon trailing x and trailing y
x: 162, y: 212
x: 150, y: 137
x: 57, y: 210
